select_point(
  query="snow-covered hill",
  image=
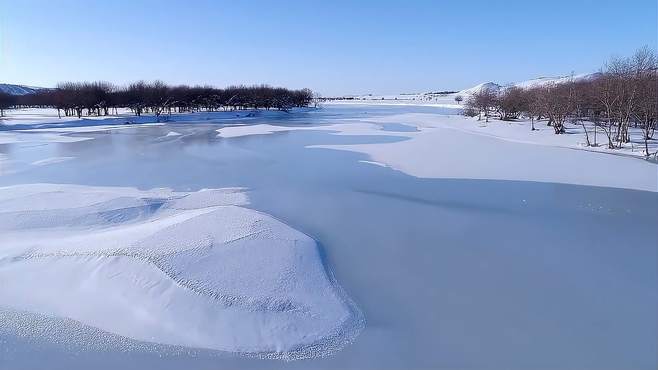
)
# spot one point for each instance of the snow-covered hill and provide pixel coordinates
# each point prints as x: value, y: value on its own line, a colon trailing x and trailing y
x: 541, y: 81
x: 535, y: 82
x: 18, y: 89
x: 490, y: 86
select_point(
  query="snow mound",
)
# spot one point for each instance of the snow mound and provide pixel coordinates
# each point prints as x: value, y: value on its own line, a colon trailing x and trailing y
x: 187, y: 269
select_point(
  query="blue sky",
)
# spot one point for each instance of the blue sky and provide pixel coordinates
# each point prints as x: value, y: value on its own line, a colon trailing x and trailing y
x: 333, y: 47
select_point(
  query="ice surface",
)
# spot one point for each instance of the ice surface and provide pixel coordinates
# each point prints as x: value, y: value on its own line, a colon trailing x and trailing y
x: 191, y: 269
x: 451, y: 273
x: 453, y: 146
x: 52, y: 160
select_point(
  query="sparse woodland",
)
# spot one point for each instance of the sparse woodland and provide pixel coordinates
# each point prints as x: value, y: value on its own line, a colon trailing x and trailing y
x: 623, y: 95
x: 102, y: 98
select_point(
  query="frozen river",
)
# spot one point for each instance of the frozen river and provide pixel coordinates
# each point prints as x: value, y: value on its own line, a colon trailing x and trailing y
x: 449, y: 273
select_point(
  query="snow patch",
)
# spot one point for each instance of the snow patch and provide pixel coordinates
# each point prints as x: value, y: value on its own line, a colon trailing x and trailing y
x: 242, y: 130
x: 460, y: 147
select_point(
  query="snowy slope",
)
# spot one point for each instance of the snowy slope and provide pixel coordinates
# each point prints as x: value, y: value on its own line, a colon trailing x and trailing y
x: 486, y: 86
x: 542, y: 81
x: 18, y: 89
x: 535, y: 82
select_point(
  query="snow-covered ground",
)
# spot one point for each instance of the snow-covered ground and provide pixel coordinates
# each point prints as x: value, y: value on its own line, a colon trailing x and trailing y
x: 189, y: 269
x: 437, y: 145
x: 453, y: 146
x: 447, y: 100
x: 43, y: 118
x: 208, y: 270
x: 421, y: 99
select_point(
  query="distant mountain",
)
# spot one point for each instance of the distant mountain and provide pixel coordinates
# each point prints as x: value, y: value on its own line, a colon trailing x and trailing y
x: 18, y: 89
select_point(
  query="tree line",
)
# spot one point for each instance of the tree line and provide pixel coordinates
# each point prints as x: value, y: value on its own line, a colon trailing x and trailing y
x: 103, y: 98
x: 624, y: 94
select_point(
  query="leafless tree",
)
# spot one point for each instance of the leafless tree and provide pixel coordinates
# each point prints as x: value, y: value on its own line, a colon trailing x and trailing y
x: 97, y: 98
x: 482, y: 102
x: 511, y: 102
x: 532, y: 107
x: 645, y: 109
x: 556, y: 101
x: 607, y: 97
x: 6, y: 102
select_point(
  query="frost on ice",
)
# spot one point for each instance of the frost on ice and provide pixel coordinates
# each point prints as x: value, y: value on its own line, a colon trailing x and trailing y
x: 188, y: 269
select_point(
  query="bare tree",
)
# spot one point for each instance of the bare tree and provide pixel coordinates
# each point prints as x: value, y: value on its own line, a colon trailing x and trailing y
x: 645, y: 109
x: 582, y: 100
x: 556, y: 102
x: 511, y: 102
x: 97, y: 98
x: 482, y: 102
x: 607, y: 97
x: 532, y: 106
x: 6, y: 102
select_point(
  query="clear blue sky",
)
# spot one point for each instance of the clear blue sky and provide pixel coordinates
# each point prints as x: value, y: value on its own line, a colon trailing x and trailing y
x: 330, y: 46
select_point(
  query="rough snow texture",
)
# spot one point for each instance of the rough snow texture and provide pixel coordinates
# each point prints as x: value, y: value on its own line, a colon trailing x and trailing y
x: 187, y: 269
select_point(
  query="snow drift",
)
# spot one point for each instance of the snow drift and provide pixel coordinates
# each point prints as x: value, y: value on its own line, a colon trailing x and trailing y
x: 189, y: 269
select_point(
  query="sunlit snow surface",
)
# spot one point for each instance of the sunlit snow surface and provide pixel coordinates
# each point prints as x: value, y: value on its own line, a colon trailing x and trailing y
x: 466, y: 244
x: 188, y: 269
